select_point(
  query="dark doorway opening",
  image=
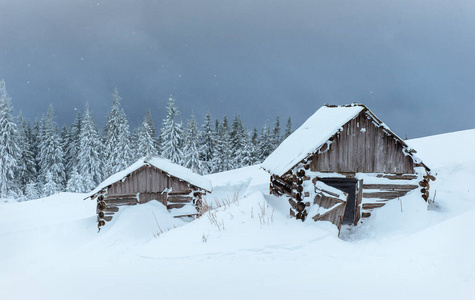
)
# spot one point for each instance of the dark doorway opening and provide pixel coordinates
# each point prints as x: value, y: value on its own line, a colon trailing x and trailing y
x: 347, y: 185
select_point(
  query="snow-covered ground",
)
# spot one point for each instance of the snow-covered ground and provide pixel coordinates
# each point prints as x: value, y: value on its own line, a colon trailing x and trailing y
x: 249, y: 249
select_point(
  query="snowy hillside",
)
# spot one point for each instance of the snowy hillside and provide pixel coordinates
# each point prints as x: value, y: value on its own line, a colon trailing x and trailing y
x: 247, y: 247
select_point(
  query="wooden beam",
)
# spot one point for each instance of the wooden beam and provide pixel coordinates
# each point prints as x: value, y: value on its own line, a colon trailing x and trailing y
x: 390, y: 186
x: 372, y: 205
x: 385, y: 195
x: 175, y: 205
x: 398, y: 176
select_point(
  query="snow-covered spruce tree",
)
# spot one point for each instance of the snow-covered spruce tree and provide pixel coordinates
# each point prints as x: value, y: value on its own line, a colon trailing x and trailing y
x: 72, y: 145
x: 276, y: 138
x: 26, y: 168
x: 31, y: 191
x: 288, y: 129
x: 34, y: 140
x: 172, y: 134
x: 191, y: 148
x: 222, y: 158
x: 50, y: 186
x: 207, y: 145
x: 117, y: 153
x: 76, y: 182
x: 151, y: 127
x: 10, y: 151
x: 90, y: 152
x: 64, y: 142
x: 146, y: 139
x: 265, y: 143
x: 248, y: 151
x: 238, y: 142
x: 51, y: 154
x: 255, y: 146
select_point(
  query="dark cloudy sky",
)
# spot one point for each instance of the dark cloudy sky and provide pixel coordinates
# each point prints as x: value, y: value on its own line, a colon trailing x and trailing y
x: 412, y: 62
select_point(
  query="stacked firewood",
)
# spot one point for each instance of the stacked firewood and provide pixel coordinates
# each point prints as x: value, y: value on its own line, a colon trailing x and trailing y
x: 291, y: 184
x: 108, y: 205
x: 299, y: 205
x: 424, y: 183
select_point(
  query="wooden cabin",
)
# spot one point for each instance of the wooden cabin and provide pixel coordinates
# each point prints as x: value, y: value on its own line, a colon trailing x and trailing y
x: 151, y: 178
x: 349, y: 149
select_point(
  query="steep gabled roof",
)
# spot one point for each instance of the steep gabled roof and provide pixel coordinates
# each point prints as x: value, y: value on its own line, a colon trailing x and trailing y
x: 163, y: 164
x: 314, y: 133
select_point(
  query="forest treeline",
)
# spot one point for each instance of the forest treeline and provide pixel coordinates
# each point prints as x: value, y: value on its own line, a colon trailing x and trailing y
x: 38, y: 159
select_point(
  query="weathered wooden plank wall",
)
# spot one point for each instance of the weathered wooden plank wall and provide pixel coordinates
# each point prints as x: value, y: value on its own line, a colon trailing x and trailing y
x: 144, y: 185
x: 147, y: 180
x: 363, y: 147
x: 146, y: 197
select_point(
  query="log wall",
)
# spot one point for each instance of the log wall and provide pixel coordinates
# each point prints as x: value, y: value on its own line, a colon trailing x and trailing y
x: 143, y: 185
x: 147, y: 180
x: 362, y: 147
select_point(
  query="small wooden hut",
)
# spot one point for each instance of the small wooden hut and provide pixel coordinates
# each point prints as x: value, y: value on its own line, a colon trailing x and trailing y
x: 151, y: 178
x: 349, y: 149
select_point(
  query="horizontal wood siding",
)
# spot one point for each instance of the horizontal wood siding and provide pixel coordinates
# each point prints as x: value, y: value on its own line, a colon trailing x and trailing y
x: 143, y: 185
x: 147, y: 180
x: 363, y: 147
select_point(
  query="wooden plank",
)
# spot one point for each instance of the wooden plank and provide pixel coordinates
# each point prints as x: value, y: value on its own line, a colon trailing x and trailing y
x: 385, y: 195
x: 390, y: 186
x: 179, y: 200
x: 188, y: 215
x: 372, y: 205
x: 365, y: 214
x: 184, y: 192
x: 397, y: 176
x: 111, y: 209
x: 117, y: 196
x: 123, y: 201
x: 359, y: 199
x: 175, y: 205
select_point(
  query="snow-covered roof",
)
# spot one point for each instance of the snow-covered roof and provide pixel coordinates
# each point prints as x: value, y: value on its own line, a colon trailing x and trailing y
x: 162, y: 164
x: 304, y: 141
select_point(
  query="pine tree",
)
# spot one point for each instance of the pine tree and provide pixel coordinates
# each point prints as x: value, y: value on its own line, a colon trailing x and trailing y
x: 276, y: 138
x: 72, y: 144
x: 31, y: 191
x: 9, y: 149
x: 248, y: 158
x: 191, y: 149
x: 222, y: 158
x: 288, y: 129
x: 207, y: 145
x: 238, y: 141
x: 76, y: 182
x: 90, y: 149
x: 26, y: 168
x: 265, y: 143
x: 51, y: 153
x: 255, y: 146
x: 146, y: 139
x: 118, y: 153
x: 172, y: 134
x: 50, y: 186
x: 34, y: 141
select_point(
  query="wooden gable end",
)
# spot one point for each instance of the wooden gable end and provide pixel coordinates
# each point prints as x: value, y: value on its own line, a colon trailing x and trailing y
x: 363, y: 146
x: 147, y: 179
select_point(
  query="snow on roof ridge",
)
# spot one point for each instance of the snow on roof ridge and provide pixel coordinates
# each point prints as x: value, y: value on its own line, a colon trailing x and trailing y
x: 161, y: 163
x: 315, y: 131
x: 179, y: 171
x: 310, y: 136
